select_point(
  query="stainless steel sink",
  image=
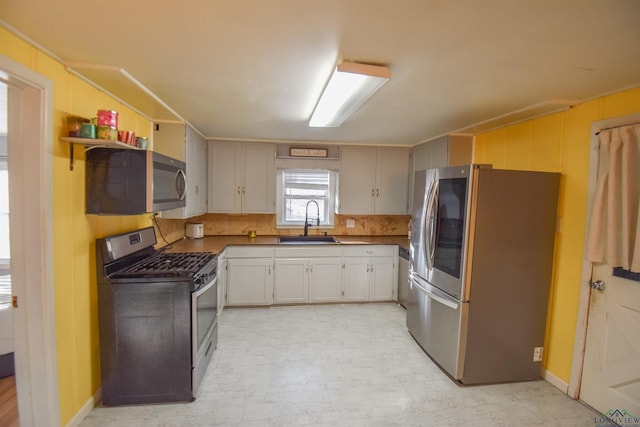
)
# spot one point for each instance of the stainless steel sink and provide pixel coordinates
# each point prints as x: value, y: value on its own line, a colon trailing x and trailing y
x: 307, y: 240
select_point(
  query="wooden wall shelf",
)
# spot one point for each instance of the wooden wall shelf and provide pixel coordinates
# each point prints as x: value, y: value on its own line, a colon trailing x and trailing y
x: 93, y: 143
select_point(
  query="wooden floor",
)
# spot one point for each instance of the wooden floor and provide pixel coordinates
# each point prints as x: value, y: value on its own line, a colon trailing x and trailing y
x: 8, y: 402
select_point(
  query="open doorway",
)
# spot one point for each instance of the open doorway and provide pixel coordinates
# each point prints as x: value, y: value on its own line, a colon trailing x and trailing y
x: 29, y: 160
x: 9, y: 400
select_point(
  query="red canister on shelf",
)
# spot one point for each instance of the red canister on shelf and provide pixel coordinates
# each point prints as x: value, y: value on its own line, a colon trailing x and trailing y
x: 108, y: 118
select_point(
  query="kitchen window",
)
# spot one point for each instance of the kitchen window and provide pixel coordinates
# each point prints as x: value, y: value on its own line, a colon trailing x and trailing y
x: 297, y: 188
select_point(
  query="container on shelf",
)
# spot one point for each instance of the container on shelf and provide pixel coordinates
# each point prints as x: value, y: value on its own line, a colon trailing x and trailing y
x: 107, y: 132
x: 74, y: 124
x: 88, y: 130
x: 108, y: 118
x: 127, y: 137
x: 143, y: 143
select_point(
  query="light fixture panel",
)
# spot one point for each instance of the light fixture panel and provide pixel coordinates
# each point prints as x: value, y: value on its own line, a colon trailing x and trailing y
x: 350, y: 85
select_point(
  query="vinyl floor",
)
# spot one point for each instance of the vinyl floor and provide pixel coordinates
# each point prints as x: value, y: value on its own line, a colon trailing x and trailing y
x: 341, y: 365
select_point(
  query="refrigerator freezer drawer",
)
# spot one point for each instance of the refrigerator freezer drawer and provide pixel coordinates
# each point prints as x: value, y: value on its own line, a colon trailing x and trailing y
x: 438, y: 323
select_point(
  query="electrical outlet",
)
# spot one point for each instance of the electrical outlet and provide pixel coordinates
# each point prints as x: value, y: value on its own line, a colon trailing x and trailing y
x: 351, y: 223
x: 537, y: 354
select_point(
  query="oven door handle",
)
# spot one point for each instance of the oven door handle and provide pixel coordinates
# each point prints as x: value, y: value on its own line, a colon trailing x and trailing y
x: 206, y: 287
x: 194, y: 318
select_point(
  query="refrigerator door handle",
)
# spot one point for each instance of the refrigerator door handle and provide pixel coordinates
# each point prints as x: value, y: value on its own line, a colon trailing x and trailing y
x: 435, y: 295
x: 430, y: 226
x: 424, y: 240
x: 441, y: 300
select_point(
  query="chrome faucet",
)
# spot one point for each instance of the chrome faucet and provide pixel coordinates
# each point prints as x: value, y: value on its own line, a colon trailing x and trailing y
x: 306, y: 217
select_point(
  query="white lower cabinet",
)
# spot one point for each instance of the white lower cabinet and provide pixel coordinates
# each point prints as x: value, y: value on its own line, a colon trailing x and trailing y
x: 249, y: 276
x: 325, y: 280
x: 370, y: 273
x: 355, y: 279
x: 307, y: 275
x: 291, y: 284
x: 301, y: 275
x: 382, y: 286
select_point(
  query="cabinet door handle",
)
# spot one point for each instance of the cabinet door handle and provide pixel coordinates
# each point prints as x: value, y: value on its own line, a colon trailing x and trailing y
x: 377, y: 192
x: 238, y: 189
x: 243, y: 189
x: 373, y: 192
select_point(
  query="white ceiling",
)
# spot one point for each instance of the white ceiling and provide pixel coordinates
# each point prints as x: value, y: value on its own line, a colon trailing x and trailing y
x: 253, y: 69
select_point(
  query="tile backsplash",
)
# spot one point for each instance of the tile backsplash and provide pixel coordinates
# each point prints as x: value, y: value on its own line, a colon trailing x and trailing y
x: 265, y: 225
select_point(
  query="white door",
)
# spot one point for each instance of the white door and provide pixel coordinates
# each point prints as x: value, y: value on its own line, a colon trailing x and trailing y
x: 611, y: 370
x: 610, y: 379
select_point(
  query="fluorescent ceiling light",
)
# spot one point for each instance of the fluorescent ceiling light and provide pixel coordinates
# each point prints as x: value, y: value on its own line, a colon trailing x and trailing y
x: 349, y: 87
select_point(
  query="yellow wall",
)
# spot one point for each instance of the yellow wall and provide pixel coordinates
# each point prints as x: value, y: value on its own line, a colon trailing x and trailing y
x: 559, y: 143
x: 74, y: 232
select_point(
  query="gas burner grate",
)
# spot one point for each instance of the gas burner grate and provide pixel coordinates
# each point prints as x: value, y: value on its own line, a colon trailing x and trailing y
x: 174, y: 264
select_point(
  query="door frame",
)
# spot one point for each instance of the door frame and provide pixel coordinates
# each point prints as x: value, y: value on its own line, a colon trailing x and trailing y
x: 30, y: 165
x: 580, y: 341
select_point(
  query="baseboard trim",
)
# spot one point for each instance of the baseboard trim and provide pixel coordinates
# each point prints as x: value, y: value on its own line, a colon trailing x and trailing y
x: 555, y: 381
x: 86, y: 409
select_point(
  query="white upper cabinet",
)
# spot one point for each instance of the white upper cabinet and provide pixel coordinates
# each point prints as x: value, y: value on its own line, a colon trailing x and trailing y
x: 357, y: 181
x: 241, y: 177
x: 225, y: 175
x: 374, y: 181
x: 449, y: 150
x: 182, y: 142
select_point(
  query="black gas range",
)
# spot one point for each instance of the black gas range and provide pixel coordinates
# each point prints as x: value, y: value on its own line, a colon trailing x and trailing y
x: 196, y: 267
x: 158, y: 315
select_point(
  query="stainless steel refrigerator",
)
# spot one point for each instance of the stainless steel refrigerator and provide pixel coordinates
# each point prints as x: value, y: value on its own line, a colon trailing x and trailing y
x: 481, y: 257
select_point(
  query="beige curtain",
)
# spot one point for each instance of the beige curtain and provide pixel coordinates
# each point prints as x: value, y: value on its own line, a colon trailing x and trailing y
x: 614, y: 230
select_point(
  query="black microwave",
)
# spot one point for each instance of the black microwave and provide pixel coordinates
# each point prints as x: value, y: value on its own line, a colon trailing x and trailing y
x: 132, y: 182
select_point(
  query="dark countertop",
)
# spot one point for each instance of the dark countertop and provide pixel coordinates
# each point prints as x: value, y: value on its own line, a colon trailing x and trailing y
x: 216, y: 244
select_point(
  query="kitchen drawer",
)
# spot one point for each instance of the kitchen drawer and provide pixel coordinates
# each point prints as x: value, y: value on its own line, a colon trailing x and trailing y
x: 249, y: 252
x: 309, y: 252
x: 370, y: 250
